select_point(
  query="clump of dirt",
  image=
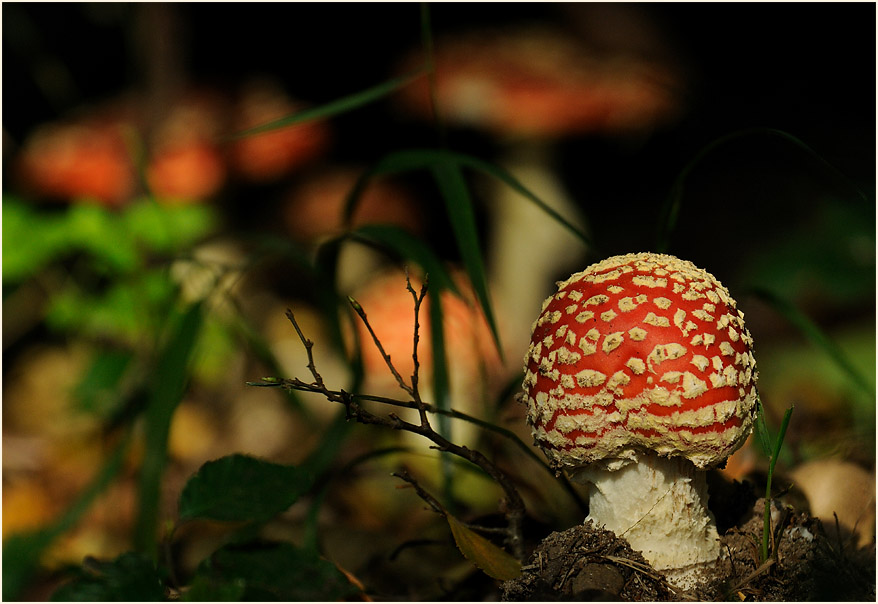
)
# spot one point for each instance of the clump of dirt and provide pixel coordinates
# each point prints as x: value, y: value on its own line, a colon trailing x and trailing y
x: 589, y: 563
x: 586, y: 563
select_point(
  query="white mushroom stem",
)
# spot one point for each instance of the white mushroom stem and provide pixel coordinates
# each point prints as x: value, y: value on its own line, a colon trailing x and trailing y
x: 659, y: 505
x: 528, y: 249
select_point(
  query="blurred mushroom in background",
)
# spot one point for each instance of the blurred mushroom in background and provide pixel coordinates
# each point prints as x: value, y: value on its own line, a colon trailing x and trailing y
x: 313, y: 212
x: 83, y: 157
x: 185, y: 163
x: 473, y: 362
x: 843, y: 490
x: 268, y: 156
x: 531, y: 87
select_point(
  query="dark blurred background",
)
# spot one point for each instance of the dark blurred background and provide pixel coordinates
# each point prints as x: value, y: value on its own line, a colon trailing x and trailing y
x: 805, y: 68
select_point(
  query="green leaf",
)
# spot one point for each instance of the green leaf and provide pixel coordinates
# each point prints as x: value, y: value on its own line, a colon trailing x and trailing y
x: 240, y: 488
x: 275, y: 572
x: 31, y: 240
x: 492, y: 560
x: 129, y: 310
x: 129, y: 578
x: 210, y: 589
x: 100, y: 232
x: 169, y: 382
x: 342, y: 105
x: 167, y: 228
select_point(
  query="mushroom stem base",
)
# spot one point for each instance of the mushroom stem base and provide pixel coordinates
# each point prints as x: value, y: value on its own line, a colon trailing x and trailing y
x: 659, y: 505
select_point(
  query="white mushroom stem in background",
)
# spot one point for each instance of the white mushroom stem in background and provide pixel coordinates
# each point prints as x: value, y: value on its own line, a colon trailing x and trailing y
x: 528, y: 249
x: 659, y: 505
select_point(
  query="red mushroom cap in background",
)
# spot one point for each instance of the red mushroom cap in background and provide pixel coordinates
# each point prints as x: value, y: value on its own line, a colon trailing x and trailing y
x: 85, y: 158
x: 271, y: 155
x: 542, y: 82
x: 641, y: 352
x: 389, y: 308
x: 315, y: 208
x: 185, y: 162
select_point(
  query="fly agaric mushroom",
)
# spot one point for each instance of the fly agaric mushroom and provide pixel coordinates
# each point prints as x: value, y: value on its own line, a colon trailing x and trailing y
x: 639, y: 375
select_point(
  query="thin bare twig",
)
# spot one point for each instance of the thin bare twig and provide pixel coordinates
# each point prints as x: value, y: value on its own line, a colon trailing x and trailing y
x: 418, y: 298
x: 308, y: 344
x: 362, y: 314
x: 512, y: 505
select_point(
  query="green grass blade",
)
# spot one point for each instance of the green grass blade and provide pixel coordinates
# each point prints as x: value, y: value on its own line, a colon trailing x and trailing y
x: 342, y: 105
x: 418, y: 159
x: 463, y: 222
x: 766, y: 521
x: 404, y: 244
x: 513, y: 183
x: 671, y: 208
x: 169, y: 383
x: 761, y: 429
x: 813, y: 333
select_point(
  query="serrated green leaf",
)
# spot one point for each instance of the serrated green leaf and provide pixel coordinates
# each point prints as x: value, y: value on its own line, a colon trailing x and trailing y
x: 492, y: 560
x: 276, y: 572
x: 129, y: 578
x: 240, y: 488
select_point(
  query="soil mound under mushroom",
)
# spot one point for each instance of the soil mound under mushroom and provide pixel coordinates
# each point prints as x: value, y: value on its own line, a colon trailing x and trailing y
x: 586, y: 563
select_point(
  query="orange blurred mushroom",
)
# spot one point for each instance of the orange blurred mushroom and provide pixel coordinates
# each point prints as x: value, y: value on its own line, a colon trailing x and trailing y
x: 86, y: 158
x: 268, y: 156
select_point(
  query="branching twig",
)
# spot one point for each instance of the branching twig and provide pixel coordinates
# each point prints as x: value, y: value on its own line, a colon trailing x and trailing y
x: 308, y: 344
x: 418, y: 298
x: 362, y: 314
x: 513, y: 504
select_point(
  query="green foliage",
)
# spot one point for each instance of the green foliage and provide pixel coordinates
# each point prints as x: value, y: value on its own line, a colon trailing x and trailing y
x: 239, y: 488
x: 118, y: 243
x: 129, y: 578
x: 266, y: 571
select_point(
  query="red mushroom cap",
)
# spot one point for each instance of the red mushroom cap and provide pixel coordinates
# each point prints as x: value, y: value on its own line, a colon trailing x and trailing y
x: 641, y: 352
x: 542, y: 82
